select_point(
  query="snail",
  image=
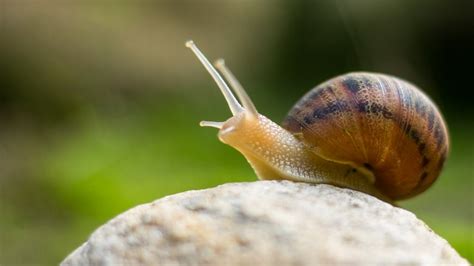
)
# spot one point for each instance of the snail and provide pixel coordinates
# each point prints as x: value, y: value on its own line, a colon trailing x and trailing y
x: 369, y: 132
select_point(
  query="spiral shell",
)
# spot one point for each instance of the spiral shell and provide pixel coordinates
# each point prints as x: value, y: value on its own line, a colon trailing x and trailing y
x: 378, y: 122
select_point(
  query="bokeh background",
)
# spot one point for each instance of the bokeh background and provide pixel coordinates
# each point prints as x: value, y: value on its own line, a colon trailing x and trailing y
x: 100, y: 100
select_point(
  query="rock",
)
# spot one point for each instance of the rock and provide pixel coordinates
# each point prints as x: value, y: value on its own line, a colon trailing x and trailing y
x: 266, y: 223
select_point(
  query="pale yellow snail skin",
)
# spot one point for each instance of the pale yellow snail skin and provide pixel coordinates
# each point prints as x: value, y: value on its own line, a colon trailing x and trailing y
x: 276, y: 153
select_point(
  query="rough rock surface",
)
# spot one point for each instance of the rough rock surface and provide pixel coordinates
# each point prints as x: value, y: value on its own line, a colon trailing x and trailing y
x: 266, y: 223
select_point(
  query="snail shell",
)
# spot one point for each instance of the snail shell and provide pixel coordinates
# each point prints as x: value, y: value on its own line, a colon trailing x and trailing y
x: 375, y: 121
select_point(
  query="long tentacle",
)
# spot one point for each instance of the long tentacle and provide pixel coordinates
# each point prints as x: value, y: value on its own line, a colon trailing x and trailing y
x: 237, y: 87
x: 234, y: 105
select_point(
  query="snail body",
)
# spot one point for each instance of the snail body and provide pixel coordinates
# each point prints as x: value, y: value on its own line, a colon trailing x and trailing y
x: 370, y: 132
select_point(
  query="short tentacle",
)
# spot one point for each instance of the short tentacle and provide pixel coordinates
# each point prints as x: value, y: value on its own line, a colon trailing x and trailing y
x: 211, y: 124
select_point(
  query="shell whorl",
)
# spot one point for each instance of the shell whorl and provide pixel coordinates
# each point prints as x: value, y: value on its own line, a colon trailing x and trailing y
x: 376, y: 121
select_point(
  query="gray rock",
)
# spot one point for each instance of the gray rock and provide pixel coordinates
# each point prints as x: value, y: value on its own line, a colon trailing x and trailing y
x: 266, y: 223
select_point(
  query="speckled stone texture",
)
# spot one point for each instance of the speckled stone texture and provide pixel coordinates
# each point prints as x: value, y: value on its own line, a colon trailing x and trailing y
x: 266, y: 223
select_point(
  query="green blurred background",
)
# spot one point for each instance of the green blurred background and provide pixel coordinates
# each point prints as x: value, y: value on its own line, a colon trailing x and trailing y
x: 100, y: 100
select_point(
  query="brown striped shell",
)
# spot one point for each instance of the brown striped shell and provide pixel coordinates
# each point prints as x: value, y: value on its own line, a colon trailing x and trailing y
x: 376, y: 121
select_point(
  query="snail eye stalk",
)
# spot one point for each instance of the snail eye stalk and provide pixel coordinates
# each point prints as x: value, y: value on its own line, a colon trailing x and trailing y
x: 234, y: 105
x: 237, y: 87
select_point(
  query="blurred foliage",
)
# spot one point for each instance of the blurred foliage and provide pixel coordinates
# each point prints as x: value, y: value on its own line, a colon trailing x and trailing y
x: 100, y: 101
